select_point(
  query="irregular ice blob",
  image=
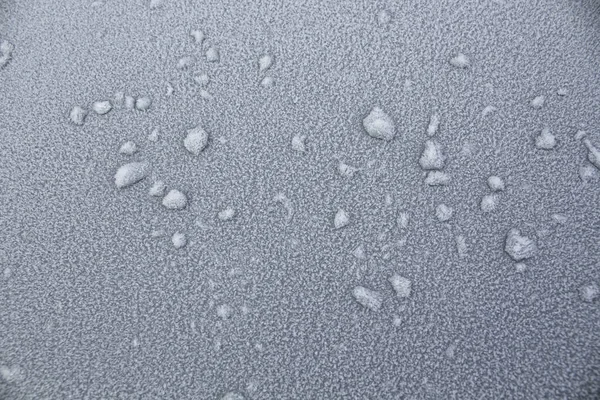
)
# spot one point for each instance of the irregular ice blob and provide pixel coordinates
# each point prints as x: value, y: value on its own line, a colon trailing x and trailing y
x: 443, y: 212
x: 186, y: 62
x: 212, y: 54
x: 153, y: 136
x: 233, y: 396
x: 346, y: 170
x: 224, y: 311
x: 437, y: 178
x: 403, y: 220
x: 265, y: 62
x: 154, y: 4
x: 432, y: 156
x: 593, y: 153
x: 545, y: 140
x: 379, y: 125
x: 559, y: 218
x: 587, y: 173
x: 367, y: 298
x: 489, y: 203
x: 461, y: 246
x: 384, y: 17
x: 119, y: 99
x: 129, y: 102
x: 402, y: 285
x: 175, y: 200
x: 341, y: 219
x: 131, y: 173
x: 179, y: 240
x: 205, y: 94
x: 460, y: 61
x: 520, y: 267
x: 128, y: 148
x: 226, y: 214
x: 143, y: 103
x: 102, y: 107
x: 198, y: 35
x: 538, y: 102
x: 495, y: 183
x: 434, y: 123
x: 158, y: 189
x: 562, y: 92
x: 202, y: 79
x: 170, y: 89
x: 196, y: 140
x: 12, y: 374
x: 359, y: 252
x: 267, y: 81
x: 298, y: 143
x: 6, y: 49
x: 519, y: 247
x: 488, y: 110
x: 77, y: 115
x: 589, y: 292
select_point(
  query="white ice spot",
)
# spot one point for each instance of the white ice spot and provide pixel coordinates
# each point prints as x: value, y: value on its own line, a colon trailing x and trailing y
x: 488, y: 110
x: 562, y: 92
x: 198, y: 35
x: 205, y: 94
x: 580, y: 135
x: 154, y: 135
x: 158, y: 233
x: 298, y: 143
x: 587, y: 173
x: 589, y: 292
x: 520, y: 267
x: 383, y: 17
x: 545, y: 140
x: 402, y: 285
x: 450, y: 351
x: 489, y: 203
x: 170, y: 89
x: 461, y: 246
x: 158, y: 189
x: 519, y: 247
x: 12, y: 374
x: 224, y: 311
x: 460, y: 61
x: 119, y: 99
x: 186, y: 62
x: 143, y: 103
x: 443, y: 212
x: 267, y: 81
x: 128, y: 148
x: 179, y: 240
x: 359, y: 252
x: 6, y: 49
x: 538, y: 102
x: 226, y: 214
x: 287, y: 204
x: 495, y: 183
x: 129, y: 102
x: 102, y: 107
x: 77, y: 115
x: 367, y: 298
x: 379, y: 125
x: 196, y: 140
x: 154, y: 4
x: 437, y: 178
x: 131, y: 173
x: 559, y: 218
x: 434, y: 123
x: 202, y: 79
x: 346, y: 170
x: 212, y: 54
x: 593, y: 153
x: 341, y: 219
x: 432, y: 156
x: 175, y: 200
x: 403, y: 220
x: 265, y: 62
x: 233, y: 396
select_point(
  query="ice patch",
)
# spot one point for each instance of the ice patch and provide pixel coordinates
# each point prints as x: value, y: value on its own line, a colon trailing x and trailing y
x: 154, y: 135
x: 346, y: 170
x: 233, y: 396
x: 587, y: 173
x: 6, y: 49
x: 461, y: 246
x: 434, y: 123
x: 488, y: 110
x: 267, y: 82
x: 287, y: 204
x: 538, y: 102
x: 432, y: 156
x: 102, y: 107
x: 402, y: 285
x: 559, y: 218
x: 562, y: 92
x: 128, y: 148
x: 143, y: 103
x: 379, y: 125
x: 383, y: 17
x: 593, y: 153
x: 226, y: 214
x: 495, y: 183
x: 119, y: 99
x: 545, y: 140
x: 198, y: 35
x: 359, y: 252
x: 298, y: 143
x: 212, y: 54
x: 131, y: 173
x: 175, y: 200
x: 402, y: 221
x: 590, y: 292
x: 489, y: 203
x: 520, y: 267
x: 519, y: 247
x: 179, y: 240
x: 367, y: 298
x: 224, y: 311
x: 437, y: 178
x: 460, y: 61
x: 129, y: 102
x: 77, y: 115
x: 158, y: 189
x: 186, y: 62
x: 170, y: 89
x: 341, y: 219
x: 265, y: 62
x: 196, y: 140
x: 443, y: 212
x: 202, y: 79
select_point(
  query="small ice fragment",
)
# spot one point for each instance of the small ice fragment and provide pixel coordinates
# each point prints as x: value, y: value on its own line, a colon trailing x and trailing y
x: 437, y: 178
x: 198, y: 35
x: 489, y: 203
x: 521, y: 267
x: 434, y: 123
x: 402, y: 285
x: 298, y: 143
x: 170, y: 89
x: 538, y: 102
x: 384, y: 17
x: 233, y: 396
x: 488, y: 110
x: 559, y: 218
x: 6, y: 47
x: 450, y: 351
x: 131, y: 173
x: 341, y: 219
x: 546, y: 140
x: 460, y: 61
x: 157, y: 233
x: 443, y: 212
x: 224, y: 311
x: 212, y: 54
x: 593, y: 153
x: 589, y: 292
x: 77, y: 115
x: 179, y: 240
x: 587, y: 173
x: 129, y: 102
x: 359, y: 252
x: 461, y: 246
x: 367, y: 298
x: 143, y: 103
x: 128, y: 148
x: 158, y: 189
x: 432, y: 156
x: 379, y: 125
x: 562, y: 92
x: 153, y: 136
x: 154, y: 4
x: 205, y: 94
x: 495, y: 183
x: 185, y: 62
x: 196, y: 140
x: 12, y: 374
x: 267, y: 81
x: 346, y: 170
x: 519, y: 247
x: 265, y: 62
x: 175, y: 200
x: 119, y: 99
x: 403, y: 220
x: 102, y: 107
x: 580, y: 135
x: 226, y: 214
x: 202, y: 79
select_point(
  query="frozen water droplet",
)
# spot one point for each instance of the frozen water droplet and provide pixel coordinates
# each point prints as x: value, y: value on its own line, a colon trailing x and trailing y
x: 287, y: 204
x: 233, y: 396
x: 129, y: 102
x: 403, y: 220
x: 170, y: 89
x: 298, y: 143
x: 346, y: 170
x: 521, y: 267
x: 119, y: 99
x: 157, y: 233
x: 267, y: 81
x: 154, y: 4
x: 128, y: 148
x: 383, y: 17
x: 488, y: 110
x: 131, y: 173
x: 198, y: 36
x: 196, y: 140
x: 6, y: 49
x: 157, y: 189
x: 175, y: 200
x: 379, y: 125
x: 495, y: 183
x: 179, y: 240
x: 546, y: 140
x: 559, y: 218
x: 224, y: 311
x: 12, y: 374
x: 359, y: 252
x: 226, y: 214
x: 432, y: 156
x: 443, y: 212
x: 153, y: 136
x: 212, y: 54
x: 186, y: 62
x: 538, y: 102
x: 143, y: 103
x: 589, y: 292
x: 434, y: 123
x: 562, y: 92
x: 135, y: 342
x: 367, y: 298
x: 402, y: 285
x: 205, y: 94
x: 489, y: 203
x: 102, y: 107
x: 461, y: 246
x: 265, y: 62
x: 202, y: 79
x: 450, y: 351
x: 437, y: 178
x: 593, y: 153
x: 77, y: 115
x: 460, y: 61
x: 519, y: 247
x: 341, y: 219
x: 587, y: 173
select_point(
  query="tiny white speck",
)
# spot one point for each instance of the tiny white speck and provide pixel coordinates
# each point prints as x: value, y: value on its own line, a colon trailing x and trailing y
x: 226, y: 214
x: 495, y: 183
x: 77, y: 115
x: 179, y: 240
x: 298, y: 143
x: 460, y: 61
x: 489, y: 203
x: 158, y: 189
x: 212, y: 54
x: 367, y: 298
x: 402, y: 286
x: 128, y: 148
x: 538, y: 102
x: 341, y: 219
x: 443, y: 212
x: 175, y: 200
